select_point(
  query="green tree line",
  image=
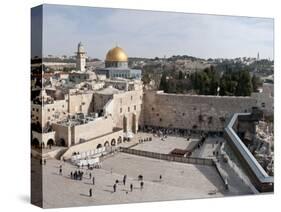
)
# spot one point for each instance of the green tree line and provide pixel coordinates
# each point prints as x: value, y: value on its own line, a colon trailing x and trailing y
x: 211, y: 82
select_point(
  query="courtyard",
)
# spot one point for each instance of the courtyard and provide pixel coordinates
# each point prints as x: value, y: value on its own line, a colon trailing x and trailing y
x: 179, y: 181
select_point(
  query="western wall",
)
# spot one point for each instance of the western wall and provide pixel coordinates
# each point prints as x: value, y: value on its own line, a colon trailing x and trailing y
x: 191, y: 112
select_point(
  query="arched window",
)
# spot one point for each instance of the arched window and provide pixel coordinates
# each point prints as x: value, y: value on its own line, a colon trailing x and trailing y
x: 113, y: 142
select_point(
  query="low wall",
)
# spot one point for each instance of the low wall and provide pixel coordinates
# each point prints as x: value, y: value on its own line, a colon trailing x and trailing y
x: 160, y: 156
x: 250, y: 165
x: 93, y: 143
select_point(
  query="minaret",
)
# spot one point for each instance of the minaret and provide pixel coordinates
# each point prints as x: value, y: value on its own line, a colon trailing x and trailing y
x: 80, y: 58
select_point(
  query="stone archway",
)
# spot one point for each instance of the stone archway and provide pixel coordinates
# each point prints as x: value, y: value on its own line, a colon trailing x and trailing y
x: 35, y: 143
x: 99, y: 146
x: 106, y: 143
x: 113, y: 142
x: 119, y: 140
x: 50, y: 142
x: 61, y: 142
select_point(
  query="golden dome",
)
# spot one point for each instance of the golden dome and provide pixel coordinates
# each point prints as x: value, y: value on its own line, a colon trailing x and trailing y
x: 116, y: 54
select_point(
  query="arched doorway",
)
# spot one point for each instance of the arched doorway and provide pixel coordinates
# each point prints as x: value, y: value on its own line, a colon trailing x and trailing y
x: 125, y: 124
x: 61, y: 142
x: 119, y: 140
x: 35, y: 143
x: 99, y: 146
x: 50, y: 142
x: 113, y: 142
x: 106, y: 143
x: 134, y: 123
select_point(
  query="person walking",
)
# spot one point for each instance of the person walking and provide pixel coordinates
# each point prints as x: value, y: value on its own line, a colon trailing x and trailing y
x: 131, y: 187
x: 90, y: 175
x: 60, y: 171
x: 93, y: 180
x: 160, y: 177
x: 141, y: 184
x: 71, y: 175
x: 124, y: 179
x: 90, y: 193
x: 114, y: 187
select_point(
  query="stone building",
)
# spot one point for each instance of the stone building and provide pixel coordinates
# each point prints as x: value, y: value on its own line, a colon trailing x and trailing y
x: 105, y: 109
x: 80, y: 58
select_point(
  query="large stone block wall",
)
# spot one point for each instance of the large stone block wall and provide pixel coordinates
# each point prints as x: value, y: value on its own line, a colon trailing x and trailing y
x: 80, y: 103
x: 73, y: 134
x: 127, y: 106
x: 209, y: 113
x: 62, y: 132
x: 100, y: 100
x: 265, y: 99
x: 99, y: 127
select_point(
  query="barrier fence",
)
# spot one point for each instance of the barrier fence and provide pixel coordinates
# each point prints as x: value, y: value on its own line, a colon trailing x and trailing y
x: 93, y: 153
x: 191, y: 160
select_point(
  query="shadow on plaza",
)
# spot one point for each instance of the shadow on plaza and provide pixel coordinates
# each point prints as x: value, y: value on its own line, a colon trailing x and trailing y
x: 212, y: 175
x: 84, y: 195
x: 88, y: 183
x: 110, y: 191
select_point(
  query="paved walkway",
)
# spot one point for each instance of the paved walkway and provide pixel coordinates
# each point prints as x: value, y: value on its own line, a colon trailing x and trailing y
x: 180, y: 181
x: 163, y: 146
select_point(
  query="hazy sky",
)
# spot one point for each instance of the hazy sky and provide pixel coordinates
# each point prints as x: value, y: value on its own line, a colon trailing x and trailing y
x: 151, y: 34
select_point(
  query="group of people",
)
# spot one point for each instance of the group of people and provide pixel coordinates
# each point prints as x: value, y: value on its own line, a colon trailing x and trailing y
x: 124, y: 183
x: 145, y: 139
x: 140, y: 178
x: 77, y: 175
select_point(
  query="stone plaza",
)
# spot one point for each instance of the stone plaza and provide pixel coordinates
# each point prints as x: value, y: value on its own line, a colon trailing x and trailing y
x: 179, y: 180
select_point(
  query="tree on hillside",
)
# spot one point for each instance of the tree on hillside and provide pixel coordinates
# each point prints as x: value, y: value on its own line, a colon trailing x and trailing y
x: 180, y: 75
x: 244, y: 84
x: 146, y: 78
x: 256, y: 82
x: 163, y: 82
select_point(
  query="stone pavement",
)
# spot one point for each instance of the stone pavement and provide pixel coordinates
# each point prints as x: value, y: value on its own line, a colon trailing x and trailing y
x: 166, y: 146
x: 179, y: 181
x: 206, y: 150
